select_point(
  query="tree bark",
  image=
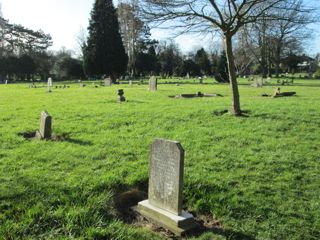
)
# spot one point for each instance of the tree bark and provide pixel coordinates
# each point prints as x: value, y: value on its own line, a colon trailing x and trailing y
x: 278, y: 60
x: 235, y: 108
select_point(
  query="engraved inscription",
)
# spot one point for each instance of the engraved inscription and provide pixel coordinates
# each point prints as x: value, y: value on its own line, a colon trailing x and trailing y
x: 166, y: 175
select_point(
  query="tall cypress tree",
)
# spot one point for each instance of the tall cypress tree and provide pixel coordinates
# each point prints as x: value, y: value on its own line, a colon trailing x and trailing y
x: 104, y: 52
x: 222, y: 69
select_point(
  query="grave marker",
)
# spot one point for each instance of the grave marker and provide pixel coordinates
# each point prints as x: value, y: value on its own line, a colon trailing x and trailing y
x: 44, y: 131
x: 121, y: 98
x: 107, y: 82
x: 153, y: 82
x: 49, y: 84
x: 164, y: 203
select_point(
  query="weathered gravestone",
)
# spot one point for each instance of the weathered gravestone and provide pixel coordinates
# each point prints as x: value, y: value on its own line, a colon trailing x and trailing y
x: 258, y: 83
x: 164, y: 203
x: 49, y: 84
x: 107, y: 82
x: 44, y: 131
x: 6, y: 82
x: 153, y: 82
x: 130, y: 83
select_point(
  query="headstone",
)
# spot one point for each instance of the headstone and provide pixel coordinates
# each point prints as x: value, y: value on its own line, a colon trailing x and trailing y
x: 258, y: 83
x: 49, y: 84
x: 121, y: 98
x: 164, y: 203
x: 153, y: 82
x: 188, y: 76
x: 6, y: 81
x: 44, y: 131
x: 107, y: 82
x: 130, y: 83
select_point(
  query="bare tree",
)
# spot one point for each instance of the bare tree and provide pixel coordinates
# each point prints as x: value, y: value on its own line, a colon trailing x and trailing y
x: 289, y: 29
x: 81, y: 39
x: 226, y: 16
x: 130, y: 27
x: 244, y: 58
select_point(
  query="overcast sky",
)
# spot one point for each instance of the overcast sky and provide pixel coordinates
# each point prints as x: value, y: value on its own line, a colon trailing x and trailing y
x: 63, y: 19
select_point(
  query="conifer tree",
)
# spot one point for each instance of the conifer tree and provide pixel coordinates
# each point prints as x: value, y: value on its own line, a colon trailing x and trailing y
x: 104, y: 53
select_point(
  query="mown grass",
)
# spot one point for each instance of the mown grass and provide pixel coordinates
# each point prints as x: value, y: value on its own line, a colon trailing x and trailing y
x: 257, y: 175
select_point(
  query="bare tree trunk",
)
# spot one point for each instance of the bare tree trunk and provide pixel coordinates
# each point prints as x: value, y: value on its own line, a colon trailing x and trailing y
x: 278, y: 60
x: 235, y: 108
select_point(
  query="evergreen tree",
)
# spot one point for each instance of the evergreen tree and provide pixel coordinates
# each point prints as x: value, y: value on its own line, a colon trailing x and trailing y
x: 104, y: 52
x: 222, y: 69
x: 201, y: 58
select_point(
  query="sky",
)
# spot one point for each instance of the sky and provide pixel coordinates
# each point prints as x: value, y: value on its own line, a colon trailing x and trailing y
x: 63, y: 19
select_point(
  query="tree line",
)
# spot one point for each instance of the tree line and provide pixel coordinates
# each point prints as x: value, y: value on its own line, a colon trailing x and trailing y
x: 265, y: 47
x: 260, y: 37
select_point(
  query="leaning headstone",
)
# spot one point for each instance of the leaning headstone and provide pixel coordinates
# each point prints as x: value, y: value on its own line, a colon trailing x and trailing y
x: 44, y: 131
x: 107, y: 82
x: 49, y: 84
x: 153, y: 82
x: 164, y: 203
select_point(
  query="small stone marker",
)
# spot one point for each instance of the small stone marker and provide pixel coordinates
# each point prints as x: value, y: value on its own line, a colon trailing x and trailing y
x: 45, y: 126
x: 49, y: 84
x: 130, y: 83
x: 164, y: 204
x: 121, y: 98
x: 107, y: 82
x: 6, y: 82
x: 153, y: 82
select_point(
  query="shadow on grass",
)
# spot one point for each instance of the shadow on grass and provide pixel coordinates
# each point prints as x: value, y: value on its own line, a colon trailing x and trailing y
x: 64, y: 137
x: 127, y: 197
x: 225, y: 112
x: 218, y: 230
x: 134, y: 101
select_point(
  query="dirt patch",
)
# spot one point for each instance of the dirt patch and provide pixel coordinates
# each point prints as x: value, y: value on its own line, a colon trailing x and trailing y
x: 124, y: 203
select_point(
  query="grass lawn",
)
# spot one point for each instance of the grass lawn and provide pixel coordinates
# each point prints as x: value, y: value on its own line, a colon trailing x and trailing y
x: 257, y: 176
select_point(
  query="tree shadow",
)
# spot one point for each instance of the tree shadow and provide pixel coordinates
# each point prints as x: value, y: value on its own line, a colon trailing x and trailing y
x: 229, y: 234
x: 65, y: 137
x: 225, y: 112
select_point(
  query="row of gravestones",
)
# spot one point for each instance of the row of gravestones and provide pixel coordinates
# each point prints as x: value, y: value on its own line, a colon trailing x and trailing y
x: 165, y: 191
x: 153, y: 83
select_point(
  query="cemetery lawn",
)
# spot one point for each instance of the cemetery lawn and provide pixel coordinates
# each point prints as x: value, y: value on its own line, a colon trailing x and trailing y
x: 257, y: 177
